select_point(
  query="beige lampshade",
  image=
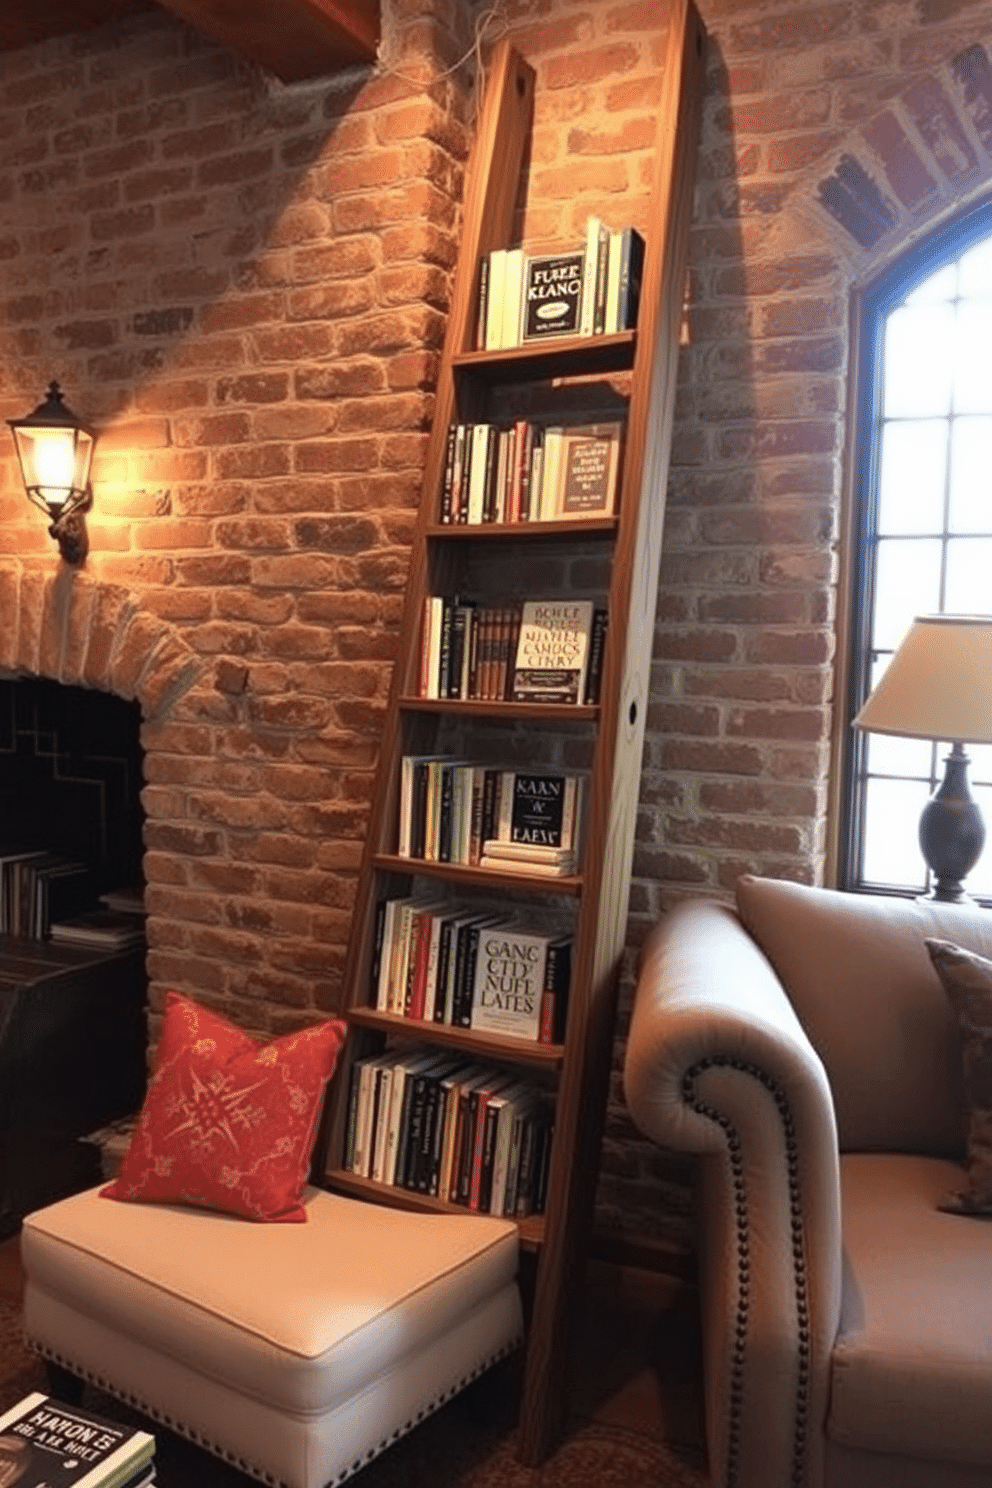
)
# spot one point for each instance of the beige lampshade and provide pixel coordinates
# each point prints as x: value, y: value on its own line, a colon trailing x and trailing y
x: 938, y: 684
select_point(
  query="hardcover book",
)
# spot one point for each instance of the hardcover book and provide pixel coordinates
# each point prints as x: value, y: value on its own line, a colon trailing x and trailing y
x: 589, y: 467
x: 553, y: 295
x: 552, y: 651
x: 45, y: 1444
x: 538, y: 809
x: 508, y: 989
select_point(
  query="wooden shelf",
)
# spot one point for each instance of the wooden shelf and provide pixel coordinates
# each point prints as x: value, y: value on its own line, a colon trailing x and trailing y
x: 489, y: 878
x: 602, y: 527
x: 479, y: 708
x: 542, y: 361
x: 485, y: 1045
x: 531, y: 1228
x: 477, y: 386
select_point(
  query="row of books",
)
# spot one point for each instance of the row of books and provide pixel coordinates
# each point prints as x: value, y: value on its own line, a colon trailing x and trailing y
x: 439, y: 962
x: 469, y: 1133
x: 587, y: 291
x: 452, y: 811
x: 534, y: 651
x: 531, y: 472
x: 37, y: 887
x: 45, y: 1443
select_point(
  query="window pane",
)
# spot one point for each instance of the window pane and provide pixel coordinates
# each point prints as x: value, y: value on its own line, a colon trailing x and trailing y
x: 969, y: 576
x: 979, y: 880
x: 975, y: 270
x: 940, y: 286
x: 971, y: 476
x: 892, y: 857
x: 919, y: 350
x: 972, y: 365
x: 980, y: 772
x: 888, y: 754
x: 907, y: 585
x: 912, y: 477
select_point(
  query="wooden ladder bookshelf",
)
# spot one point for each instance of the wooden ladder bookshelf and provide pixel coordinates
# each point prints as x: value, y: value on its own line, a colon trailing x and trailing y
x: 626, y: 551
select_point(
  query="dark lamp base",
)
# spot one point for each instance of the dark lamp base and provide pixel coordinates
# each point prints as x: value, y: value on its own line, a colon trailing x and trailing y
x: 952, y: 833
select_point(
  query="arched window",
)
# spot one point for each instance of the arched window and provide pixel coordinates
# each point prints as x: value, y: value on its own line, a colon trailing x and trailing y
x: 919, y: 537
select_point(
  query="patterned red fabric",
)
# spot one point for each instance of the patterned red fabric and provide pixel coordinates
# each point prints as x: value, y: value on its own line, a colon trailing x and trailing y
x: 229, y: 1122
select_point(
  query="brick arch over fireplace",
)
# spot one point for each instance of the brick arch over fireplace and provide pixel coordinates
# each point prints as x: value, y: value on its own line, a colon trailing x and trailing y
x: 65, y: 627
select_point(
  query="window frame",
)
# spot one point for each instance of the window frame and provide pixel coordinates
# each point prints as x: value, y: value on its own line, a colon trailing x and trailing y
x: 870, y: 306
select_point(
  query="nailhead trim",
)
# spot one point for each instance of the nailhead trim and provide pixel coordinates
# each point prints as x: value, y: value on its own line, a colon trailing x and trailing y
x: 800, y: 1430
x: 139, y: 1404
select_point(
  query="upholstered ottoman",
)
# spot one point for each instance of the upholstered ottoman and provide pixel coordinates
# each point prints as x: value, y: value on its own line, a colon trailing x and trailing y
x: 296, y: 1351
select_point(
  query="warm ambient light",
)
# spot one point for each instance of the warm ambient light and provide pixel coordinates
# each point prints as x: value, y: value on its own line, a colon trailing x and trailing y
x: 55, y: 449
x: 938, y: 685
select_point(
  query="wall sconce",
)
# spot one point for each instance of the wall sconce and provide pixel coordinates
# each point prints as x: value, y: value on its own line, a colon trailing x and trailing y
x: 55, y: 449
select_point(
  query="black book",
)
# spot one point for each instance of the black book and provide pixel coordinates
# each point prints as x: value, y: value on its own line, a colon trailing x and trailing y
x: 444, y: 812
x: 380, y: 923
x: 597, y: 646
x: 553, y: 295
x: 483, y: 305
x: 418, y: 809
x: 631, y: 271
x: 447, y: 483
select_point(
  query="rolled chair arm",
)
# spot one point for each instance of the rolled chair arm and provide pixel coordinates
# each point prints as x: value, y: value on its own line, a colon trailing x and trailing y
x: 718, y: 1064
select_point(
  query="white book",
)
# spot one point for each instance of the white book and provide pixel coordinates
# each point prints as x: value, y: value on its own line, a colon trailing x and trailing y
x: 554, y: 438
x: 612, y: 323
x: 595, y: 237
x: 494, y: 303
x: 430, y: 655
x: 387, y: 954
x: 383, y: 1089
x: 513, y: 287
x: 481, y: 435
x: 362, y: 1160
x: 509, y: 980
x: 405, y: 1066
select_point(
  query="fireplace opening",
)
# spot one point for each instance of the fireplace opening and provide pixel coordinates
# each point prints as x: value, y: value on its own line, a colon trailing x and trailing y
x: 73, y: 983
x: 71, y: 771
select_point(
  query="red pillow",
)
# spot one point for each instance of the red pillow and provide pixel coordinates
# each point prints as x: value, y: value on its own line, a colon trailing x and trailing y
x: 229, y: 1122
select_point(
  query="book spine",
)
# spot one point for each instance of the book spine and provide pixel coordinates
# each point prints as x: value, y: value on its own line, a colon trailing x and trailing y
x: 348, y: 1161
x: 554, y: 1000
x: 482, y: 1193
x: 597, y: 647
x: 464, y: 983
x: 482, y: 312
x: 449, y: 474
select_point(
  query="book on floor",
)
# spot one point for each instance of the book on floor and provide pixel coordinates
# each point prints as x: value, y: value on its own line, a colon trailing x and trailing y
x: 47, y: 1444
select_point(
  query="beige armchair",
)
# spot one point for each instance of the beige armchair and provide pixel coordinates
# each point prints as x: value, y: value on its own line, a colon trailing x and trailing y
x: 804, y: 1048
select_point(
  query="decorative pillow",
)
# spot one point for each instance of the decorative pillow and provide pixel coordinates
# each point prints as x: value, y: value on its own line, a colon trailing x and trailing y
x: 229, y: 1122
x: 967, y: 980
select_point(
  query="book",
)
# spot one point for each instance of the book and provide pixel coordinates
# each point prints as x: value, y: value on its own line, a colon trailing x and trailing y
x: 587, y: 473
x: 552, y: 652
x: 508, y: 988
x: 612, y: 308
x: 46, y: 1444
x: 538, y: 808
x: 552, y: 301
x: 597, y: 648
x: 494, y: 299
x: 100, y: 927
x: 513, y: 283
x: 629, y: 278
x: 593, y: 287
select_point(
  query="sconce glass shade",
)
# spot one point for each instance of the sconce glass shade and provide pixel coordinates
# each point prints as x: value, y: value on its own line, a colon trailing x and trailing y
x: 55, y: 449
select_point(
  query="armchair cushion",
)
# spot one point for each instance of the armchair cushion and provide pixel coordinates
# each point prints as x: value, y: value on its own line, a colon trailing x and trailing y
x: 858, y: 975
x: 911, y: 1370
x: 967, y: 980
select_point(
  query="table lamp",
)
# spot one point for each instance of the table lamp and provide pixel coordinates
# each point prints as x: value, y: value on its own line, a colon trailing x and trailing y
x: 938, y: 685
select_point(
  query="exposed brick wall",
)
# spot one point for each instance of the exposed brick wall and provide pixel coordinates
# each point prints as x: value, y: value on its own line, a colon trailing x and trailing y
x: 245, y: 285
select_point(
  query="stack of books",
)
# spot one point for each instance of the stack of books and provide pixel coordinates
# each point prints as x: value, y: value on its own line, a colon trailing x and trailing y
x: 108, y: 928
x: 45, y: 1444
x: 467, y: 1132
x: 587, y: 291
x: 37, y: 886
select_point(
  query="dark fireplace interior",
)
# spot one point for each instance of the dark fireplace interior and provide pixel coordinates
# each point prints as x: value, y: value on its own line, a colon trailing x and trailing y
x: 70, y: 777
x: 73, y: 1033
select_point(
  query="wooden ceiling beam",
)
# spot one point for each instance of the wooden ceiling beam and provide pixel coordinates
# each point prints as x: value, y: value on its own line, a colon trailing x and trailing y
x: 295, y: 39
